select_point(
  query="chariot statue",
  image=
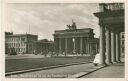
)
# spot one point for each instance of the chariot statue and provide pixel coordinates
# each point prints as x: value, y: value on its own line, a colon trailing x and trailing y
x: 72, y: 27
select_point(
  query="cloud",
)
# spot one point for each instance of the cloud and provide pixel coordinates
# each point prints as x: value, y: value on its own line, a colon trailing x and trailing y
x: 44, y: 19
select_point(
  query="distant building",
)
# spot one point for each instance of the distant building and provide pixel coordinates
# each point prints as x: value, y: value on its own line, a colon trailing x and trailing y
x: 27, y: 44
x: 6, y: 45
x: 19, y: 43
x: 8, y: 33
x: 75, y: 41
x: 43, y: 46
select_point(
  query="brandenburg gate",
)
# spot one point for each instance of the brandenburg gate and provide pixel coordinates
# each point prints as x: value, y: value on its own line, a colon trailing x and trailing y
x: 111, y: 21
x: 75, y: 41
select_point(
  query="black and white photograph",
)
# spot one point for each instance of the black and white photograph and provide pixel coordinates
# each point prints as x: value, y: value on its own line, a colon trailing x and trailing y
x: 64, y: 40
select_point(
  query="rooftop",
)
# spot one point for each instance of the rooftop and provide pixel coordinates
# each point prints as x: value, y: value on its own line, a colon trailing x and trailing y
x: 44, y: 41
x: 71, y: 29
x: 22, y: 35
x: 67, y: 31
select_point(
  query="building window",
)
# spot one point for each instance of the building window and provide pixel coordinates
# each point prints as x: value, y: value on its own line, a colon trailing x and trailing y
x: 11, y: 44
x: 123, y: 50
x: 122, y: 36
x: 23, y: 39
x: 122, y: 42
x: 16, y: 49
x: 16, y: 44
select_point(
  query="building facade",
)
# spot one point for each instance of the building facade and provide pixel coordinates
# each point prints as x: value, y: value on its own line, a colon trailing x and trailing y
x: 6, y: 44
x: 43, y: 46
x: 19, y: 43
x: 111, y: 21
x: 75, y: 41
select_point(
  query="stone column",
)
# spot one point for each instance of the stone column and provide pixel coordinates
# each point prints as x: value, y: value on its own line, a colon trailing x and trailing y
x: 87, y: 48
x: 55, y: 46
x: 96, y: 47
x: 90, y: 48
x: 102, y: 45
x: 81, y: 45
x: 87, y: 45
x: 113, y: 46
x: 60, y: 45
x: 108, y: 45
x: 66, y: 46
x: 118, y: 47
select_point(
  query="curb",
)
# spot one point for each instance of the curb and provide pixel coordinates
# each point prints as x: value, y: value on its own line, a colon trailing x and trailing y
x: 79, y: 75
x: 44, y: 68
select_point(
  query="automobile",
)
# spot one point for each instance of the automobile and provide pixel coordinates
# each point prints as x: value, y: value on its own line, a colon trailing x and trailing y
x: 96, y: 59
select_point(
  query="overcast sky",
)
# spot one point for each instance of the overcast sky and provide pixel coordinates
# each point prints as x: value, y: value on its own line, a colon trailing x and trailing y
x: 43, y: 19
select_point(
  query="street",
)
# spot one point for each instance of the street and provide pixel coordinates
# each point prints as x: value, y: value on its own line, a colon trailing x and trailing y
x: 112, y: 71
x: 61, y: 72
x: 17, y: 63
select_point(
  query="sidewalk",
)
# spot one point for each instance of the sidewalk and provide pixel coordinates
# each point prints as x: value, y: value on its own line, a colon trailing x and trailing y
x: 112, y: 71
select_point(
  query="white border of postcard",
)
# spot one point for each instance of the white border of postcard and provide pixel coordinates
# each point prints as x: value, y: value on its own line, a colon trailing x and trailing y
x: 2, y: 60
